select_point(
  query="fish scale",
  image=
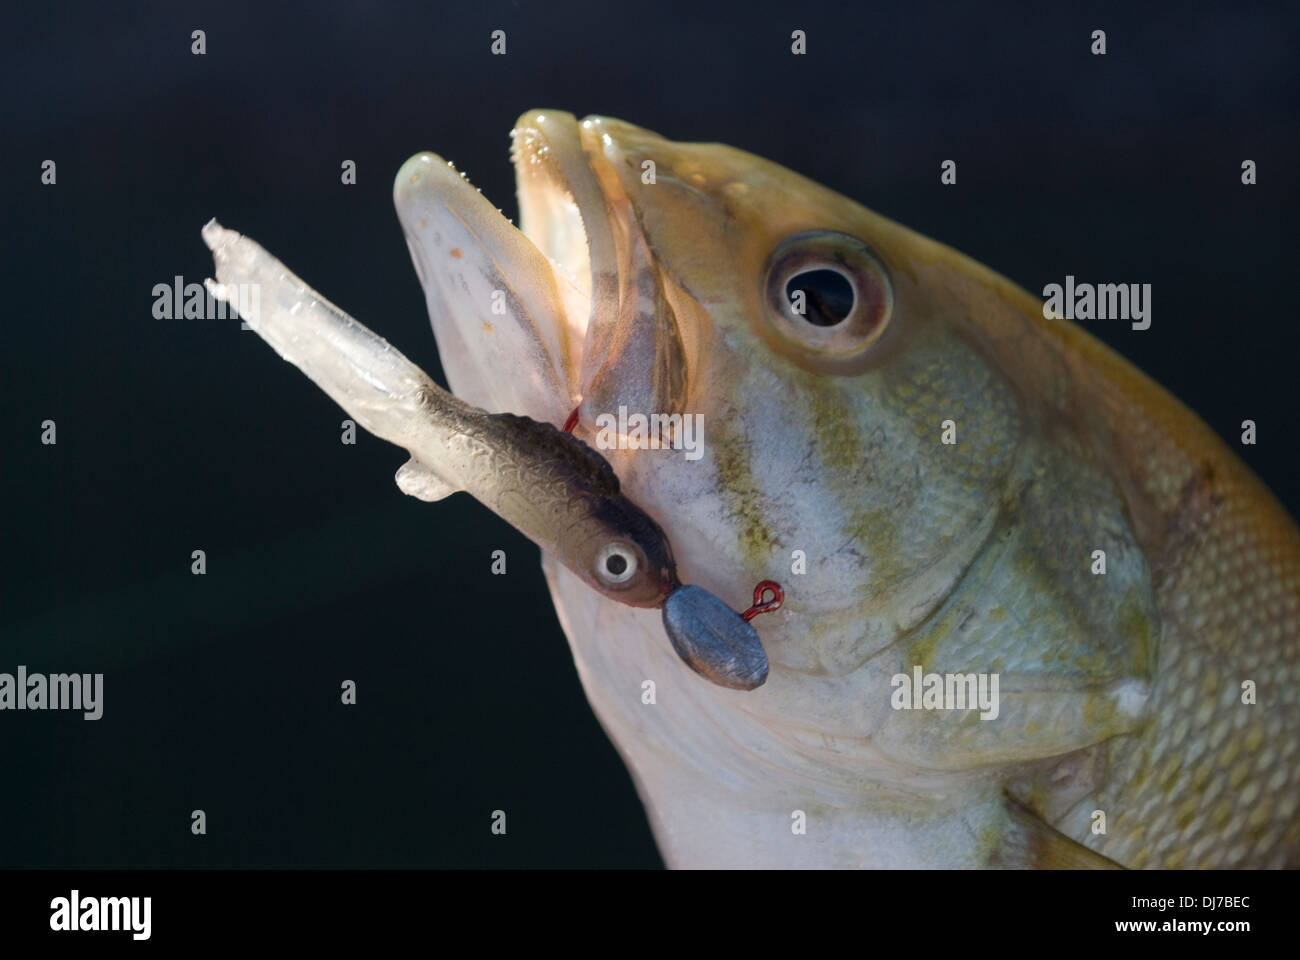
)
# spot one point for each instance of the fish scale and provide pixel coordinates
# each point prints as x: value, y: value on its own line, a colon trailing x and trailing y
x: 1252, y: 617
x: 1225, y: 561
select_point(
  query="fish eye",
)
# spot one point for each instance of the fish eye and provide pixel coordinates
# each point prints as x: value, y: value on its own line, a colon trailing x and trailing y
x: 823, y: 297
x: 828, y: 294
x: 616, y: 563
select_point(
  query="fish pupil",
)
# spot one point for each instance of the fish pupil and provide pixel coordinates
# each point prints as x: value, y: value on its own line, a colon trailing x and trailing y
x: 828, y: 296
x: 616, y: 564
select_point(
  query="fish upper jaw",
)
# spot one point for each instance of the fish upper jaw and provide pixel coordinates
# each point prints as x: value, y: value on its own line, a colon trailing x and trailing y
x: 575, y: 206
x: 562, y: 211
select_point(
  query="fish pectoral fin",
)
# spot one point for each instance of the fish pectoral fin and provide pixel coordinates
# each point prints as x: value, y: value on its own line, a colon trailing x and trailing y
x: 1031, y: 844
x: 416, y: 480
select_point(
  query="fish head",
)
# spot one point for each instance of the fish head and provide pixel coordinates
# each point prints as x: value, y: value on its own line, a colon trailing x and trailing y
x: 698, y: 280
x: 846, y: 407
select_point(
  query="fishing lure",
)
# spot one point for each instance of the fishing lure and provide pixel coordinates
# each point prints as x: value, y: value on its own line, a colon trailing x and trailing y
x: 547, y: 483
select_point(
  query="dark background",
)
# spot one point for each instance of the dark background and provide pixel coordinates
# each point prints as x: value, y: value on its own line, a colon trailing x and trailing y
x: 222, y: 691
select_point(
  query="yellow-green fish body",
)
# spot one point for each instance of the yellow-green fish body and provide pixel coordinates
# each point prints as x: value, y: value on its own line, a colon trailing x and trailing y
x: 930, y: 474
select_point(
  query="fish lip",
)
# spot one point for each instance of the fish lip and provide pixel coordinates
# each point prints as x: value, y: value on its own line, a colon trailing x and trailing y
x: 563, y: 210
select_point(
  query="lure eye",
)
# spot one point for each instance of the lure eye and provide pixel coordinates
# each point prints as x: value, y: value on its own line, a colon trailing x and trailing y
x: 828, y: 295
x: 616, y: 563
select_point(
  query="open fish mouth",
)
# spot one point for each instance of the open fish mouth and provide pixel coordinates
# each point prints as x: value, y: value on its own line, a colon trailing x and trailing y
x: 564, y: 313
x: 512, y: 307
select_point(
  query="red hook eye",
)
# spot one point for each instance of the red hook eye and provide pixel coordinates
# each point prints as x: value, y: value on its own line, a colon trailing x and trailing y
x: 765, y: 606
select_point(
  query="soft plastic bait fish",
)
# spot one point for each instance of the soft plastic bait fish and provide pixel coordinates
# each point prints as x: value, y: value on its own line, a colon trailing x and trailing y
x: 552, y: 487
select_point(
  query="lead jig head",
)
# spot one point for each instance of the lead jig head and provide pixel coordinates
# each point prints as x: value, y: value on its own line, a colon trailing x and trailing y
x: 715, y: 641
